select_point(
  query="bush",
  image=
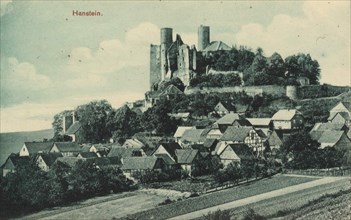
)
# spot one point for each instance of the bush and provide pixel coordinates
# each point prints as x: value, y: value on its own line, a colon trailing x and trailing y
x: 217, y: 215
x: 250, y: 214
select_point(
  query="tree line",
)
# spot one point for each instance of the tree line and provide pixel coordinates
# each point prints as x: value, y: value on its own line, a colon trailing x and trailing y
x: 31, y: 189
x: 258, y: 69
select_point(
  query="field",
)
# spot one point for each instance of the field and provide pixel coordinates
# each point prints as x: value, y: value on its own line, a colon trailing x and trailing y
x: 220, y: 197
x: 12, y: 142
x: 295, y: 205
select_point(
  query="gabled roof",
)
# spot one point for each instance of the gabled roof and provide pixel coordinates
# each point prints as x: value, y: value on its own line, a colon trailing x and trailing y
x: 242, y: 150
x: 330, y: 137
x: 345, y: 115
x: 74, y: 128
x: 68, y: 146
x: 166, y: 159
x: 259, y: 121
x: 139, y: 163
x: 285, y: 114
x: 315, y: 135
x: 347, y: 105
x: 49, y: 158
x: 193, y: 135
x: 236, y: 134
x: 275, y: 139
x: 170, y: 148
x: 88, y: 154
x: 125, y: 152
x: 227, y: 105
x: 68, y: 161
x: 15, y: 160
x: 171, y: 90
x: 209, y: 143
x: 229, y: 119
x: 216, y: 46
x: 86, y: 147
x: 180, y: 131
x: 328, y: 126
x: 186, y: 156
x: 36, y: 147
x: 135, y: 143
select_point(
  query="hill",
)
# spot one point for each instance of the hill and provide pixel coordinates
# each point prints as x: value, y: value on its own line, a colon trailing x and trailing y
x: 13, y: 141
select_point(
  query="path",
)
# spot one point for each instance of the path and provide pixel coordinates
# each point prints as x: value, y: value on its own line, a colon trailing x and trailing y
x: 260, y: 197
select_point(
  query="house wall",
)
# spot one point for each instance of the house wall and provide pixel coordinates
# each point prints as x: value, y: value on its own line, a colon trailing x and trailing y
x: 228, y: 156
x: 187, y: 168
x: 281, y: 125
x: 24, y: 151
x: 41, y: 164
x: 162, y: 150
x: 54, y: 149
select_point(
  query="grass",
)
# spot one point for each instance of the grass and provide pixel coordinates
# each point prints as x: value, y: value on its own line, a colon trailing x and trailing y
x: 197, y: 184
x: 289, y: 206
x: 220, y: 197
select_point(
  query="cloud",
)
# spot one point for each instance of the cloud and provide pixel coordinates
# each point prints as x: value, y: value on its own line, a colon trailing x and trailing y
x: 6, y: 7
x: 20, y: 80
x: 112, y: 55
x: 323, y: 31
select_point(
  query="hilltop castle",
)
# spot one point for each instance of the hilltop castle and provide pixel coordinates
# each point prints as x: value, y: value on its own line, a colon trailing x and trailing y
x: 176, y: 59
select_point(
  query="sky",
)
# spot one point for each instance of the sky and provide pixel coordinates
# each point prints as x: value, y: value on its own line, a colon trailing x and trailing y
x: 53, y: 61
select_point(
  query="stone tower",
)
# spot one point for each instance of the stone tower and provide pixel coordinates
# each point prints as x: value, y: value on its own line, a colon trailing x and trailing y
x: 203, y: 37
x: 166, y: 41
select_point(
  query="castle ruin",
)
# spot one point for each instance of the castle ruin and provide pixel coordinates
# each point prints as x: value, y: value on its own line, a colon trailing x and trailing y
x: 177, y: 59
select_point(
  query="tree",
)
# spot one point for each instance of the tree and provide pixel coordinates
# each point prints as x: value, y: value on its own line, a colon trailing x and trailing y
x: 93, y: 118
x: 57, y: 124
x: 157, y: 118
x: 303, y: 65
x: 123, y: 123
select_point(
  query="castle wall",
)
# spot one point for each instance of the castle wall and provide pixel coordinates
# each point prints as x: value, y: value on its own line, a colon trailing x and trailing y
x: 155, y: 65
x: 250, y: 90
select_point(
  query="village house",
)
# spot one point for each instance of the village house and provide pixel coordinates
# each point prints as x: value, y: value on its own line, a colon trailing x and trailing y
x: 210, y: 144
x: 86, y: 155
x: 45, y: 160
x: 341, y: 113
x: 288, y: 119
x: 12, y: 162
x: 224, y: 107
x: 133, y: 143
x: 168, y: 149
x: 329, y: 127
x: 33, y: 148
x: 335, y: 139
x: 68, y: 149
x: 179, y: 132
x: 214, y: 132
x: 244, y: 135
x: 275, y: 141
x: 119, y: 153
x: 263, y: 124
x: 142, y: 165
x: 188, y: 159
x: 193, y: 136
x: 231, y: 119
x: 232, y: 153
